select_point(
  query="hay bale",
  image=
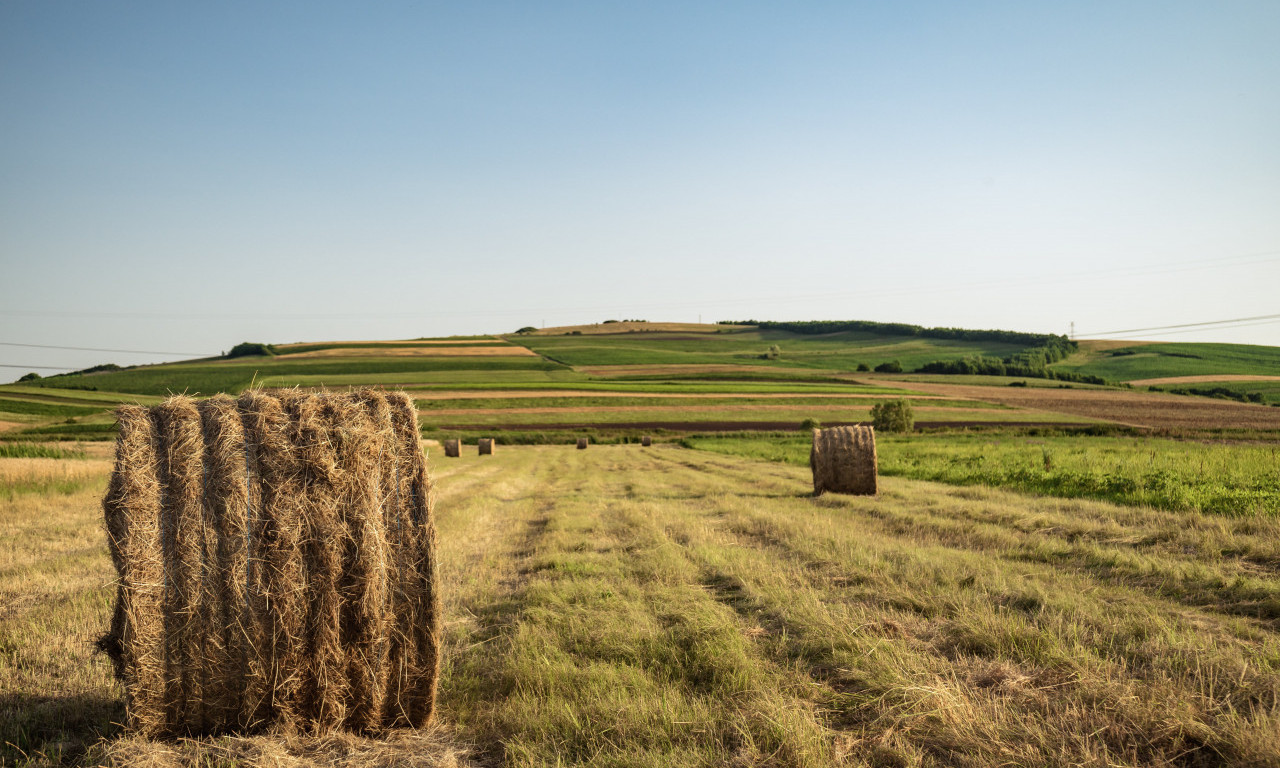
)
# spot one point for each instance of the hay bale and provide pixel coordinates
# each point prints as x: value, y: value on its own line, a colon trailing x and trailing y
x: 843, y: 460
x: 485, y: 446
x: 276, y: 561
x: 582, y: 443
x: 646, y: 441
x: 453, y: 448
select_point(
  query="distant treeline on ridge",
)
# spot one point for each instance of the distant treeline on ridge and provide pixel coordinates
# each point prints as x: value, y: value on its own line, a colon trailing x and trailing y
x: 906, y: 329
x: 1041, y: 349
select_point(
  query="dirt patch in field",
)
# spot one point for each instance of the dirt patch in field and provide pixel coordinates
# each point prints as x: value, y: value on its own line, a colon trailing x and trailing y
x: 1138, y: 409
x: 5, y: 426
x: 495, y: 350
x: 1202, y: 379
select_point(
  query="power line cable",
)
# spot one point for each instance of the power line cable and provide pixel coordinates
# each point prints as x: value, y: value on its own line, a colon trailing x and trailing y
x: 41, y: 367
x: 1204, y: 324
x: 96, y: 349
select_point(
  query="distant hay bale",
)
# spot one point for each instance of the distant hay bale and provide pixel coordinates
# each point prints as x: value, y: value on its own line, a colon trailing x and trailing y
x: 276, y: 563
x: 485, y: 446
x: 843, y: 460
x: 646, y: 441
x: 453, y: 448
x: 582, y: 443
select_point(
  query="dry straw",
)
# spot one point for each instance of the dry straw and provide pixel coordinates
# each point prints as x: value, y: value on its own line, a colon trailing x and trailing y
x: 582, y: 443
x: 646, y: 441
x: 485, y: 446
x: 452, y: 448
x: 276, y: 561
x: 843, y: 460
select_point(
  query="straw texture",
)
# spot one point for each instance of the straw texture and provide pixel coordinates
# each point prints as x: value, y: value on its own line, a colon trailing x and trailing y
x: 485, y: 446
x: 452, y: 448
x: 276, y: 563
x: 843, y: 460
x: 582, y: 443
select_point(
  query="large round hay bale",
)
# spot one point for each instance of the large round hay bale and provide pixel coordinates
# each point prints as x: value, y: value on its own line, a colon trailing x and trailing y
x: 646, y: 441
x: 582, y: 443
x: 452, y: 448
x: 485, y: 446
x: 276, y: 562
x: 843, y: 460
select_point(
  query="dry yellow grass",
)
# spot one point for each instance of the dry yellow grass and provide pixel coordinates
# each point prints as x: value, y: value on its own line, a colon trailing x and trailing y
x: 284, y: 348
x: 19, y: 473
x: 1202, y: 379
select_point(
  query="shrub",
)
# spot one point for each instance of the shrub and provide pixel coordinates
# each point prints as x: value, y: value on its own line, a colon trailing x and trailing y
x: 250, y: 349
x: 30, y: 377
x: 890, y: 367
x: 810, y: 423
x: 527, y: 329
x: 774, y: 353
x: 893, y: 416
x: 863, y: 367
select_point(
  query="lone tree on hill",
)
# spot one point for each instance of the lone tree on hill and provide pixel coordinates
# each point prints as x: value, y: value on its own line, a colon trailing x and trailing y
x: 893, y: 416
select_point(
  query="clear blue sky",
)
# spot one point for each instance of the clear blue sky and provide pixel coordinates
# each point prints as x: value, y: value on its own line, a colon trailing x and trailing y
x: 182, y: 177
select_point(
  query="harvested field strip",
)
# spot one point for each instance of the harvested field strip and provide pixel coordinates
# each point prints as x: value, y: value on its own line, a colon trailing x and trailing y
x: 665, y: 606
x: 621, y: 402
x: 462, y: 341
x: 865, y: 638
x: 1201, y: 379
x: 44, y: 475
x: 552, y: 416
x: 1141, y: 409
x: 426, y: 397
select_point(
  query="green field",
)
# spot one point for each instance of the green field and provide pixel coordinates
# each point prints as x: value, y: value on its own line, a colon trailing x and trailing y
x: 1267, y: 391
x: 235, y: 375
x: 835, y: 351
x: 623, y: 606
x: 1235, y: 479
x: 1151, y: 361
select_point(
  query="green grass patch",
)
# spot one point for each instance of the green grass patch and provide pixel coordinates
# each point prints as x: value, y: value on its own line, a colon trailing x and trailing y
x: 39, y: 451
x: 835, y: 351
x: 1152, y: 361
x: 233, y: 376
x: 48, y: 410
x: 1215, y: 478
x: 1268, y: 392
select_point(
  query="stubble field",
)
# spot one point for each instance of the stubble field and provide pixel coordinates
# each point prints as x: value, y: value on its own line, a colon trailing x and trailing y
x: 635, y: 607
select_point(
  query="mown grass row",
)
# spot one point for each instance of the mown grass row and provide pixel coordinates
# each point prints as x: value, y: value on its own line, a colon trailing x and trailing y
x: 624, y: 606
